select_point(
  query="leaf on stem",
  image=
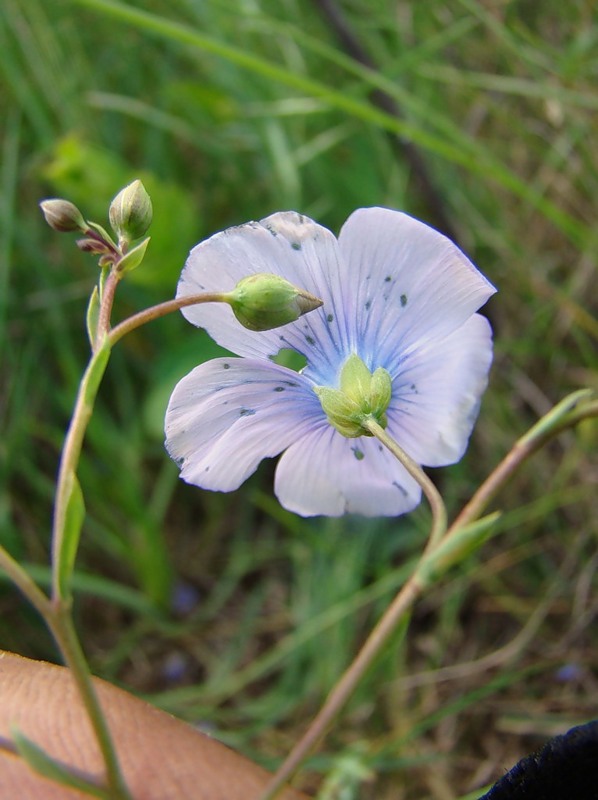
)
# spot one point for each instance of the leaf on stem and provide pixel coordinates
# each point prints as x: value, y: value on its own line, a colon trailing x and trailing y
x: 73, y: 522
x: 556, y: 415
x: 93, y: 316
x: 45, y: 765
x: 96, y: 370
x: 455, y: 547
x: 133, y: 258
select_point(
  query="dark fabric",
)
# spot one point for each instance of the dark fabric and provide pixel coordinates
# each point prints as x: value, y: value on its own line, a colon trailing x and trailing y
x: 566, y: 768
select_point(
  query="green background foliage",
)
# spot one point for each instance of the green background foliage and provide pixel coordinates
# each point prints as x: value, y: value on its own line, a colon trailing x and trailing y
x: 229, y: 111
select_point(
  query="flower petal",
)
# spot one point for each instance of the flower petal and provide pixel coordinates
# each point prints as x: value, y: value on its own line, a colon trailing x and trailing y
x: 436, y: 395
x: 325, y: 473
x: 410, y: 284
x: 286, y: 244
x: 230, y: 413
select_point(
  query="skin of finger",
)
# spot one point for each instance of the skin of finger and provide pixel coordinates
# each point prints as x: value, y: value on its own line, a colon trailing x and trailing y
x: 162, y: 758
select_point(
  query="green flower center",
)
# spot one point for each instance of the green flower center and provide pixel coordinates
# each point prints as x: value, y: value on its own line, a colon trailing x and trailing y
x: 361, y: 396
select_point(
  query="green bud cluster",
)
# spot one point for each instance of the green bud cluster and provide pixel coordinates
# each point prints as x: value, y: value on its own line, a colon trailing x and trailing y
x: 264, y: 301
x: 130, y: 216
x: 361, y: 396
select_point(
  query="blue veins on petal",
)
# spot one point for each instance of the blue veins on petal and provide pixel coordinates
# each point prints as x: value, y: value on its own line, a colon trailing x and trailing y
x: 397, y: 294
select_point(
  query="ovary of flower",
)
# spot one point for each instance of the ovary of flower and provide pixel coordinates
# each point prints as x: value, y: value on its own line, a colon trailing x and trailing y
x: 397, y: 335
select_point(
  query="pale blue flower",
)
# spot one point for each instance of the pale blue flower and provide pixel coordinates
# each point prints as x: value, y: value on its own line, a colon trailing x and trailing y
x: 396, y: 293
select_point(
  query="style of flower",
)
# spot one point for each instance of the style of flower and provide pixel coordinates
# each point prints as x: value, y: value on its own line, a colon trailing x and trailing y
x: 399, y: 299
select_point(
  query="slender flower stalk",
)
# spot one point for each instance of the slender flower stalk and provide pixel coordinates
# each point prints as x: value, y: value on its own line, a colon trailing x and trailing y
x: 381, y: 633
x: 161, y: 310
x: 57, y: 613
x: 565, y: 415
x: 429, y: 489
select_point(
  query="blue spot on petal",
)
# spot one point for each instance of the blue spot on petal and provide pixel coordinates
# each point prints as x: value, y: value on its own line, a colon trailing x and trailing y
x: 246, y: 412
x: 403, y: 300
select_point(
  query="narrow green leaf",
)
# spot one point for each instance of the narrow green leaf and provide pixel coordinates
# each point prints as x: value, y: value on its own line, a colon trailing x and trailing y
x: 455, y: 548
x: 45, y: 765
x: 74, y: 516
x: 93, y: 316
x: 96, y: 370
x: 556, y: 415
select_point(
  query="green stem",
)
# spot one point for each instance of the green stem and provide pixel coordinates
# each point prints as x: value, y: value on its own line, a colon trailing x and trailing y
x: 436, y: 502
x: 24, y: 582
x: 60, y: 622
x: 71, y: 452
x: 58, y: 613
x: 559, y: 419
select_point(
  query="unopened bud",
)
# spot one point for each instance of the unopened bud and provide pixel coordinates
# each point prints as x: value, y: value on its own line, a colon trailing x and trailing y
x: 131, y: 212
x: 62, y: 216
x: 264, y: 301
x: 92, y: 246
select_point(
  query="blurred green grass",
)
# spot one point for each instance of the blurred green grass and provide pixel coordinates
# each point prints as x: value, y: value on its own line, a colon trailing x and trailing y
x: 229, y: 111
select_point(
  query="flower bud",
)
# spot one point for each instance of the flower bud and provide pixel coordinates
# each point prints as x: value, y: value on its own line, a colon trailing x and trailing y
x: 131, y: 212
x: 264, y: 301
x: 361, y: 396
x: 93, y: 246
x: 62, y: 216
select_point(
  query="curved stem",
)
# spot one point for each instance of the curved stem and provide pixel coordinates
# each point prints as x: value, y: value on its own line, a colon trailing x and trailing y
x: 161, y: 310
x: 429, y: 489
x: 64, y: 541
x: 552, y: 424
x: 381, y: 633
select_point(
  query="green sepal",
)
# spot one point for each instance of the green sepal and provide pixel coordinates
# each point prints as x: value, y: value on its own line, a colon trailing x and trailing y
x: 362, y: 396
x: 73, y: 523
x: 456, y: 548
x: 103, y: 233
x: 45, y: 765
x: 355, y: 380
x: 93, y: 316
x: 133, y: 258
